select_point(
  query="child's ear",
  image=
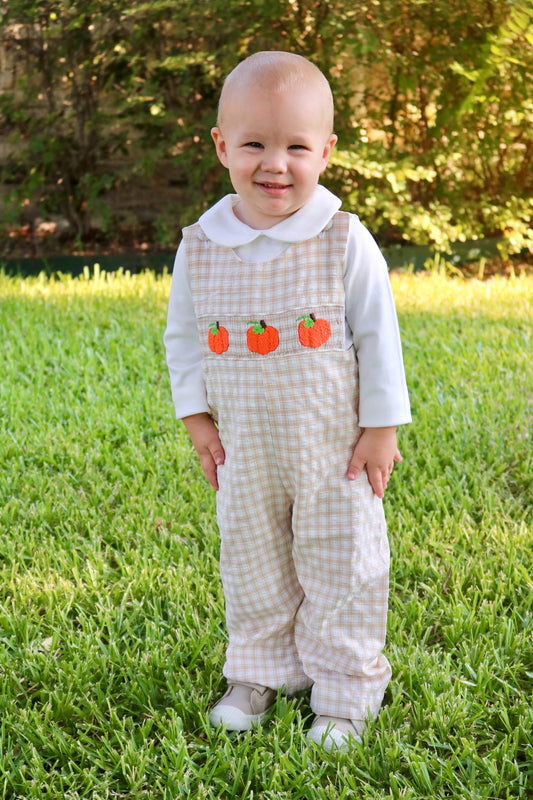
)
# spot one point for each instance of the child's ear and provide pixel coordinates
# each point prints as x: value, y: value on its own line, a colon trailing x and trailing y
x: 328, y: 147
x: 220, y: 145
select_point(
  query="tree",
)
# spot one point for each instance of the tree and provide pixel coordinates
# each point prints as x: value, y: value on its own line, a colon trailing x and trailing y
x: 433, y: 107
x: 444, y: 127
x: 60, y: 117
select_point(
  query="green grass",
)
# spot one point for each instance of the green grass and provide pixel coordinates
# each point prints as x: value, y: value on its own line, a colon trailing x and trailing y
x: 111, y: 611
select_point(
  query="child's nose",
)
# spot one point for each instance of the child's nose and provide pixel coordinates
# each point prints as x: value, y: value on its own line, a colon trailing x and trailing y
x: 274, y: 161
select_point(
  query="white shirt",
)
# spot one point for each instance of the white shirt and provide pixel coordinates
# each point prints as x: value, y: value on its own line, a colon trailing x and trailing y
x: 370, y: 314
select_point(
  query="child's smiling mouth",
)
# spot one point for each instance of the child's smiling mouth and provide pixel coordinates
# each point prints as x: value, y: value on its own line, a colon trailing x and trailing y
x: 273, y: 188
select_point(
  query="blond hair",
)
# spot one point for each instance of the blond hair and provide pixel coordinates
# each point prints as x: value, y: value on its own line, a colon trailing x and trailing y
x: 279, y: 71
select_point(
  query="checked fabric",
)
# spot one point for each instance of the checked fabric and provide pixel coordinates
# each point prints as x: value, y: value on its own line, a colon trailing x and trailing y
x: 304, y: 552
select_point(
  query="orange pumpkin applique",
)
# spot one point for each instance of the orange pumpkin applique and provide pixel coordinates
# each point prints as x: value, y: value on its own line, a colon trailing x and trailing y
x: 218, y: 339
x: 262, y: 338
x: 313, y: 332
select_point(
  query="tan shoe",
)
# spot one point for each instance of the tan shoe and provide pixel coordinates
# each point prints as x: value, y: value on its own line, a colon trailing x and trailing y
x: 334, y: 733
x: 243, y: 706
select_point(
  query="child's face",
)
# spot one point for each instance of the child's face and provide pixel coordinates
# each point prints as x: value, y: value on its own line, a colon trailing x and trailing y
x: 275, y: 145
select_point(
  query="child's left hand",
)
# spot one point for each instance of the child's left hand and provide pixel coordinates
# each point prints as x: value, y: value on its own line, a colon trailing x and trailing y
x: 376, y: 450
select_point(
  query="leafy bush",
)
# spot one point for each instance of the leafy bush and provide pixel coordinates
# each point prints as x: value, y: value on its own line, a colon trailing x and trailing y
x: 433, y: 105
x: 59, y: 113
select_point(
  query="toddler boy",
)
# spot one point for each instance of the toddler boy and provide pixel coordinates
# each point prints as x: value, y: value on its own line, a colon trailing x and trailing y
x: 286, y: 367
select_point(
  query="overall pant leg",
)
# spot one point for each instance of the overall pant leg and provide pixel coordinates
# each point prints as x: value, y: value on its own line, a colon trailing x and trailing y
x: 341, y: 624
x: 254, y: 513
x: 340, y: 548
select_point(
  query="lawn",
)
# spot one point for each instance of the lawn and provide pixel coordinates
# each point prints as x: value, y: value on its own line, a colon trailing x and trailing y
x: 111, y: 610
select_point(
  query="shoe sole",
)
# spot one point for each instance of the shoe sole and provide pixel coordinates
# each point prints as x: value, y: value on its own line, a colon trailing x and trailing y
x: 232, y: 719
x: 330, y: 739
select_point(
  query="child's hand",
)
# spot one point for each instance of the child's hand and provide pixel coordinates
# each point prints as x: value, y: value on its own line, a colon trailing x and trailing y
x: 206, y: 441
x: 376, y: 450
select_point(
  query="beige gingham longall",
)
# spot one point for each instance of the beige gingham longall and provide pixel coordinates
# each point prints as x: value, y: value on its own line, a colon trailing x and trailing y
x: 304, y: 552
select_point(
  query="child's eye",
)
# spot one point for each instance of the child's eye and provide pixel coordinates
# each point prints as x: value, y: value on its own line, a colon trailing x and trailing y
x: 297, y: 147
x: 254, y: 144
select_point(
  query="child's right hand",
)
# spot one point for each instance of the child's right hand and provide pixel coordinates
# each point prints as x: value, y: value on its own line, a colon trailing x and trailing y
x: 206, y: 441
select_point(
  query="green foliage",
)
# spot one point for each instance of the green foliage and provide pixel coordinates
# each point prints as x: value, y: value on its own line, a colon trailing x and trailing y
x: 447, y: 119
x: 68, y: 54
x: 111, y: 608
x: 433, y: 105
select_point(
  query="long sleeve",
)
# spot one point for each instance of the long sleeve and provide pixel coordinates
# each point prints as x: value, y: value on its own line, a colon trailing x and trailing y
x: 371, y: 317
x: 182, y: 343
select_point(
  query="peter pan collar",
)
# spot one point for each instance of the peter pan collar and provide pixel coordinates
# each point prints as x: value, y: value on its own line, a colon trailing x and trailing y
x: 221, y: 225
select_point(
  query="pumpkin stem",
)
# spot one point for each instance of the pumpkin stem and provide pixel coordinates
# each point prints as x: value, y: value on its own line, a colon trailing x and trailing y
x: 263, y: 323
